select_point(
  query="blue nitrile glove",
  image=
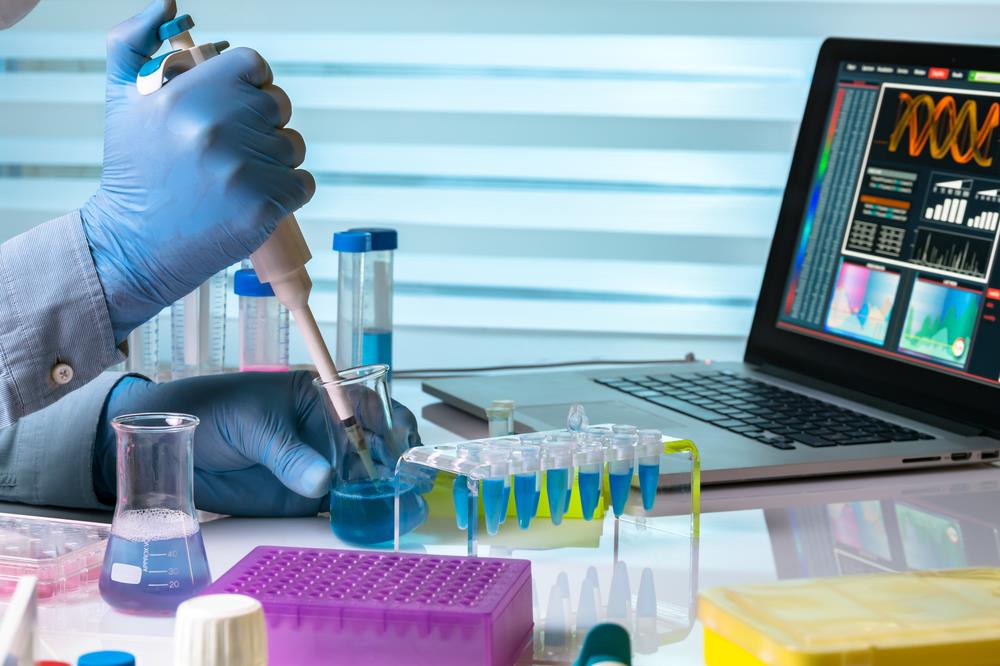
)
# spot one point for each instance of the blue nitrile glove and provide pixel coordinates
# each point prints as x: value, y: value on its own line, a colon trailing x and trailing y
x: 196, y: 175
x: 261, y: 448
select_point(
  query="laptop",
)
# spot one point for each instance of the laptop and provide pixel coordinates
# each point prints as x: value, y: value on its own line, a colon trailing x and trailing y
x: 875, y: 343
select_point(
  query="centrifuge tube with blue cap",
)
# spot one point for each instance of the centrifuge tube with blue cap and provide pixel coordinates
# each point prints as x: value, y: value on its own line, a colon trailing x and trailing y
x: 364, y: 296
x: 648, y: 450
x: 558, y: 463
x: 496, y: 486
x: 263, y: 325
x: 526, y: 466
x: 589, y: 460
x: 198, y: 329
x: 621, y: 467
x: 471, y: 452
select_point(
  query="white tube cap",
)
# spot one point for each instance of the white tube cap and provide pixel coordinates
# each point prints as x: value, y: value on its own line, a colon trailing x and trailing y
x: 220, y: 630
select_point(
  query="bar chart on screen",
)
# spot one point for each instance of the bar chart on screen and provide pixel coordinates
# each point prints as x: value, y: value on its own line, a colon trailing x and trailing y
x: 964, y: 202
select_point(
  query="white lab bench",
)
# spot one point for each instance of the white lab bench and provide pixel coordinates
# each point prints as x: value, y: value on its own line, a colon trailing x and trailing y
x: 752, y: 533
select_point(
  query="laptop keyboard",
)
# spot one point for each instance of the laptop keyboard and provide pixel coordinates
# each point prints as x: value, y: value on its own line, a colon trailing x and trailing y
x: 764, y: 412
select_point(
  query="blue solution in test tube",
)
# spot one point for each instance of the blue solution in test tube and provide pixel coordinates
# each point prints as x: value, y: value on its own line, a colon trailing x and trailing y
x: 496, y: 486
x: 470, y: 452
x: 647, y: 455
x: 526, y: 465
x: 558, y: 457
x: 589, y: 460
x: 621, y: 467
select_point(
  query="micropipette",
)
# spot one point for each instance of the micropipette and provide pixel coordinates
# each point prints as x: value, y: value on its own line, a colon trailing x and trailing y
x: 281, y: 260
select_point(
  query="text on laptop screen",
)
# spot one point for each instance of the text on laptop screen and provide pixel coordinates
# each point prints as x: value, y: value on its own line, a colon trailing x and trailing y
x: 897, y: 249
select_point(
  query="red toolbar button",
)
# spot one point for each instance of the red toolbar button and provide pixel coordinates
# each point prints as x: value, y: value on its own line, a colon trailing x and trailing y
x: 993, y: 294
x: 937, y: 73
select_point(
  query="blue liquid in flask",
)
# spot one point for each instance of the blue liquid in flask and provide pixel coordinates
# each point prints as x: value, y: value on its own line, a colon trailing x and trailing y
x: 649, y: 476
x: 619, y: 484
x: 363, y: 511
x: 526, y: 495
x: 155, y: 560
x: 493, y: 494
x: 590, y: 492
x: 557, y: 482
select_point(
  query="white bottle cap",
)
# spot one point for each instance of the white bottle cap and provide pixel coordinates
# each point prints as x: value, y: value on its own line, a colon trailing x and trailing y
x: 220, y: 630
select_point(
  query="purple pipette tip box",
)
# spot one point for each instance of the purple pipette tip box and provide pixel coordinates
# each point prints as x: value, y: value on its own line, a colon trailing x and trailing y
x: 381, y: 608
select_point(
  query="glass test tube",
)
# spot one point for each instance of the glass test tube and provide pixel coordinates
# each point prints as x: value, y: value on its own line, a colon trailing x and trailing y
x: 526, y: 466
x: 647, y: 453
x: 558, y: 463
x: 589, y: 460
x: 144, y: 350
x: 467, y: 451
x: 500, y: 417
x: 198, y: 328
x: 263, y: 325
x: 364, y: 296
x: 621, y: 466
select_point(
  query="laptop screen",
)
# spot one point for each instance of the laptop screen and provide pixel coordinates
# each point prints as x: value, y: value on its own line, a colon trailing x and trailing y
x: 897, y: 247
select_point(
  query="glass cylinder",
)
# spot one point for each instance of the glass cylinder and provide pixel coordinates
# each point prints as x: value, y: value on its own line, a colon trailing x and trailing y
x: 198, y: 328
x: 364, y: 296
x: 144, y: 350
x: 155, y: 557
x: 263, y: 325
x: 362, y: 505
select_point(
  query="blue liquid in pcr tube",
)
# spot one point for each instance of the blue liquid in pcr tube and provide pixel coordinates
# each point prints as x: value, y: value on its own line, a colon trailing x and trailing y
x: 364, y: 511
x: 492, y: 492
x: 376, y: 347
x: 590, y: 492
x: 569, y: 496
x: 525, y: 498
x: 506, y: 502
x: 557, y: 481
x: 619, y: 484
x: 649, y: 476
x: 460, y: 496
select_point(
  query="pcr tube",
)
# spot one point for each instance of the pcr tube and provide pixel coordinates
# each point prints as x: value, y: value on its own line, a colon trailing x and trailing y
x: 526, y: 466
x: 589, y: 460
x: 647, y: 454
x: 500, y: 417
x: 621, y: 465
x: 558, y: 472
x: 496, y: 486
x: 467, y: 451
x: 568, y: 438
x: 508, y: 444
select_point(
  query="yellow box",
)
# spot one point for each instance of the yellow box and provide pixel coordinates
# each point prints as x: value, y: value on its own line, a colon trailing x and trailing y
x: 932, y: 618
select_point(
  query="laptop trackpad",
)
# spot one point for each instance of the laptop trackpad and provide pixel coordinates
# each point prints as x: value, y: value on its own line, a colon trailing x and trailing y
x: 608, y: 411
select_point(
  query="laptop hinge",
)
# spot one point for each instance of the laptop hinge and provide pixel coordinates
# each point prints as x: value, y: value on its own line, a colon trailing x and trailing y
x: 957, y: 427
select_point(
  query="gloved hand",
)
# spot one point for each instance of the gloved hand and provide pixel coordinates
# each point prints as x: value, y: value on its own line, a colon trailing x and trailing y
x: 196, y: 175
x: 261, y: 448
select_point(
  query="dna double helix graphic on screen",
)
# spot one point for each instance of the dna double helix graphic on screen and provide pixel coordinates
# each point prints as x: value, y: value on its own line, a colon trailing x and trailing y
x: 944, y: 128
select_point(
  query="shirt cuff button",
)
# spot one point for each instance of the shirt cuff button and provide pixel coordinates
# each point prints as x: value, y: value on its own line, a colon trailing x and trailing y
x: 62, y: 373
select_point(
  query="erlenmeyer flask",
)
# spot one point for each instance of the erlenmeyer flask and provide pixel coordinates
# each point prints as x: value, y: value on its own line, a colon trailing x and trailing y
x: 155, y: 557
x: 362, y: 508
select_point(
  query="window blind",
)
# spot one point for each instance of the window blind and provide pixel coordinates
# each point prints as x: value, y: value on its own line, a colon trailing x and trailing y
x: 553, y: 165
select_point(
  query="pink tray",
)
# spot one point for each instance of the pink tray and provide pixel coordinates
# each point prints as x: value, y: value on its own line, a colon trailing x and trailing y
x: 324, y: 606
x: 65, y: 555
